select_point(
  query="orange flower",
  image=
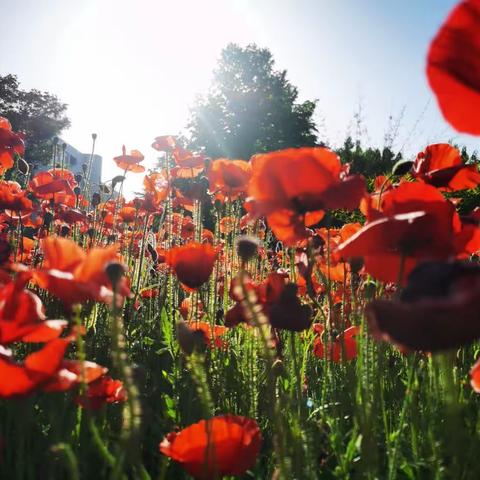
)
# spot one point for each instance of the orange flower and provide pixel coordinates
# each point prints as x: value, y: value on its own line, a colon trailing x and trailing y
x: 22, y: 317
x: 475, y: 376
x: 441, y: 165
x: 36, y: 370
x: 11, y: 144
x: 229, y: 177
x: 223, y: 445
x: 212, y: 334
x: 343, y: 345
x: 130, y: 163
x: 416, y: 223
x: 14, y: 199
x: 329, y: 265
x: 453, y: 64
x: 186, y: 159
x: 73, y: 275
x: 49, y: 184
x: 103, y: 390
x: 165, y: 143
x: 192, y: 263
x: 294, y: 187
x: 157, y: 189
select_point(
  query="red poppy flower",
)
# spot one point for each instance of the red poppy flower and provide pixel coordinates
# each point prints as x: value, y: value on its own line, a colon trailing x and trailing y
x: 279, y: 302
x: 71, y: 215
x: 192, y: 263
x: 22, y: 317
x: 49, y: 184
x: 329, y: 265
x: 165, y: 143
x: 229, y: 177
x: 75, y: 276
x: 416, y: 223
x: 438, y: 309
x: 14, y: 199
x: 130, y: 163
x: 475, y: 376
x: 101, y: 391
x: 188, y: 160
x: 441, y: 165
x: 453, y: 64
x: 10, y: 144
x: 212, y: 334
x: 127, y: 214
x: 343, y: 346
x: 73, y: 372
x: 156, y: 188
x: 223, y: 445
x: 36, y: 370
x: 293, y: 188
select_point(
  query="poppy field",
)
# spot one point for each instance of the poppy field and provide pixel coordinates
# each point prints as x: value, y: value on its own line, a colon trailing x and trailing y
x: 277, y: 317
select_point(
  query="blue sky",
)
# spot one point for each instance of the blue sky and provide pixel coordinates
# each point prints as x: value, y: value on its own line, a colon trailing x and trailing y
x: 130, y: 70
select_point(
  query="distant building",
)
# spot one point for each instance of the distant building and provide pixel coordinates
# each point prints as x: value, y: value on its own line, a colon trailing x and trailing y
x: 74, y: 161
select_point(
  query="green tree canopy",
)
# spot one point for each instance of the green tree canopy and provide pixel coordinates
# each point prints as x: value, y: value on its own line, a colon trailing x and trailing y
x: 40, y: 115
x: 250, y: 108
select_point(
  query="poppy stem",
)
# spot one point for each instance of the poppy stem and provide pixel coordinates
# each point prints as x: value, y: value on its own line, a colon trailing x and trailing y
x: 255, y: 316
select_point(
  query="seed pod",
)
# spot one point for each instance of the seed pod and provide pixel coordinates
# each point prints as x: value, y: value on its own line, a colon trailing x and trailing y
x: 96, y: 199
x: 115, y: 272
x: 65, y: 230
x: 247, y: 247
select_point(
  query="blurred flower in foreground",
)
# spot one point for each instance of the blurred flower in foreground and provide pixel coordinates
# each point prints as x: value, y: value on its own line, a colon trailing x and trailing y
x: 438, y: 309
x: 192, y: 263
x: 223, y: 445
x: 453, y: 67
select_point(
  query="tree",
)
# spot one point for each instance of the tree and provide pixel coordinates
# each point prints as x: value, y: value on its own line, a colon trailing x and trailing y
x: 369, y: 162
x: 250, y: 108
x: 40, y: 115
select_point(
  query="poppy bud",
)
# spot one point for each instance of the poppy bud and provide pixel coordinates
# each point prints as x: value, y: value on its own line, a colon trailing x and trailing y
x: 94, y: 136
x: 369, y: 288
x: 115, y: 272
x: 47, y: 219
x: 77, y: 191
x: 55, y: 140
x: 402, y: 167
x: 23, y: 166
x: 247, y: 247
x: 117, y: 179
x: 208, y: 162
x: 356, y: 264
x: 84, y: 167
x: 78, y: 177
x: 152, y: 252
x: 65, y: 230
x: 189, y: 339
x: 219, y: 314
x: 317, y: 242
x: 96, y: 199
x: 278, y: 368
x: 91, y: 232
